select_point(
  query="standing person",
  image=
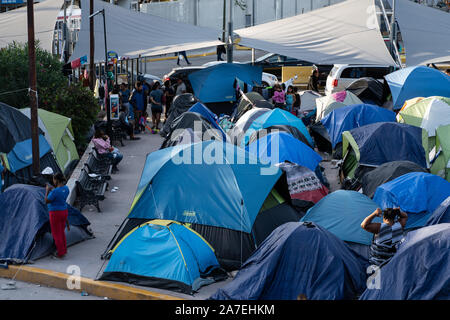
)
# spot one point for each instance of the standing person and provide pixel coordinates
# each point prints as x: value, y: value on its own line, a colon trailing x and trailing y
x: 110, y: 77
x: 313, y: 83
x: 181, y: 87
x: 137, y: 100
x: 388, y: 234
x: 147, y: 87
x: 290, y: 99
x: 125, y: 93
x: 55, y: 198
x: 169, y: 93
x: 220, y: 50
x: 278, y: 97
x: 182, y: 53
x: 297, y: 103
x: 103, y: 145
x: 156, y: 105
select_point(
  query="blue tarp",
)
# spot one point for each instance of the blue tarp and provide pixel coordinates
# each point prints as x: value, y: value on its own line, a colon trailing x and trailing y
x: 209, y: 183
x: 416, y: 193
x: 21, y: 156
x: 275, y: 117
x: 279, y: 147
x: 441, y: 214
x: 208, y: 115
x: 418, y: 81
x: 215, y: 84
x: 341, y: 212
x: 404, y: 143
x: 23, y: 213
x: 419, y: 270
x: 354, y: 116
x: 297, y: 259
x: 168, y: 254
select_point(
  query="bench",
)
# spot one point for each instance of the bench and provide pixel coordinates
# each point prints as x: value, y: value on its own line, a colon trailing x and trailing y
x: 92, y: 165
x: 90, y: 190
x: 117, y: 134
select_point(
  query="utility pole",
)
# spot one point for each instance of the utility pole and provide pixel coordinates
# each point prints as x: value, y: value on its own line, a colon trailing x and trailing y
x: 92, y: 46
x: 33, y: 88
x: 230, y: 34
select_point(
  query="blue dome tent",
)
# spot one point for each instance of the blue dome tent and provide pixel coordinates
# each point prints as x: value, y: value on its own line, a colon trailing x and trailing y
x: 166, y: 255
x: 220, y: 190
x: 353, y: 116
x: 416, y: 193
x: 341, y: 212
x: 286, y: 148
x: 419, y: 269
x: 273, y: 118
x: 372, y: 145
x: 297, y: 259
x: 418, y: 81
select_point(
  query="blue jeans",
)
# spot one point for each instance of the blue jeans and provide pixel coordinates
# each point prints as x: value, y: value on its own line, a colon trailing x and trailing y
x: 115, y: 156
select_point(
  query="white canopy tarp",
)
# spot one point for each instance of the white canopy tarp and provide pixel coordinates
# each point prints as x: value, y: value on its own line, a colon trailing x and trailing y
x: 14, y: 27
x: 131, y: 33
x: 425, y: 32
x: 347, y: 33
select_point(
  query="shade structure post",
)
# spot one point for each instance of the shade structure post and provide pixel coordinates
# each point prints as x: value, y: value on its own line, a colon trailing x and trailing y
x: 33, y: 88
x: 230, y: 34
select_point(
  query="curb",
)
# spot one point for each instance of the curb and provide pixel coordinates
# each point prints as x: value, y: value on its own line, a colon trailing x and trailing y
x: 60, y: 280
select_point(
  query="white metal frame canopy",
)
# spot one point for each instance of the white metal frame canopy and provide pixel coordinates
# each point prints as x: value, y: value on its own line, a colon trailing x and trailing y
x: 131, y: 34
x: 347, y: 33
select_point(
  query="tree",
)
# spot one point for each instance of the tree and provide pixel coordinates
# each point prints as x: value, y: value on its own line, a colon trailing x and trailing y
x: 54, y: 93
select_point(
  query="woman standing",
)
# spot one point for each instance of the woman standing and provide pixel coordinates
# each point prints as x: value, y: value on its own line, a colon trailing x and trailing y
x: 290, y: 99
x: 314, y: 81
x: 55, y: 198
x: 156, y: 106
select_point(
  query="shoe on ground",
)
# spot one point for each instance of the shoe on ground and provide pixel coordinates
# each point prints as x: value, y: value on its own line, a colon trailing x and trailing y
x: 135, y: 138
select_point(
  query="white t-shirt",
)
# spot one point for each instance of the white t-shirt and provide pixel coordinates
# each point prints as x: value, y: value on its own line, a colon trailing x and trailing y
x: 180, y: 88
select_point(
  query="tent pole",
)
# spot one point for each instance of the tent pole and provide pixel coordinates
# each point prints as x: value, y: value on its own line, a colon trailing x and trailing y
x: 33, y: 88
x: 392, y: 28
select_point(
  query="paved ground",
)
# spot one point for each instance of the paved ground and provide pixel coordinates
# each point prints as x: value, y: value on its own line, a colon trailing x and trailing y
x: 29, y: 291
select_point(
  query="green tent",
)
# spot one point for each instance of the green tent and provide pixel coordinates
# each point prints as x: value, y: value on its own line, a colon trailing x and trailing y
x: 429, y: 114
x: 441, y: 166
x: 59, y: 134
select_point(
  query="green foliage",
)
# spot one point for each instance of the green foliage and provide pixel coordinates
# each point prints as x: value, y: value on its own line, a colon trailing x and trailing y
x: 79, y: 104
x: 14, y: 75
x: 54, y: 93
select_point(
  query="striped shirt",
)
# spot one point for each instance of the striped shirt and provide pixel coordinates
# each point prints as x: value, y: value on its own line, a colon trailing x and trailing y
x: 384, y: 245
